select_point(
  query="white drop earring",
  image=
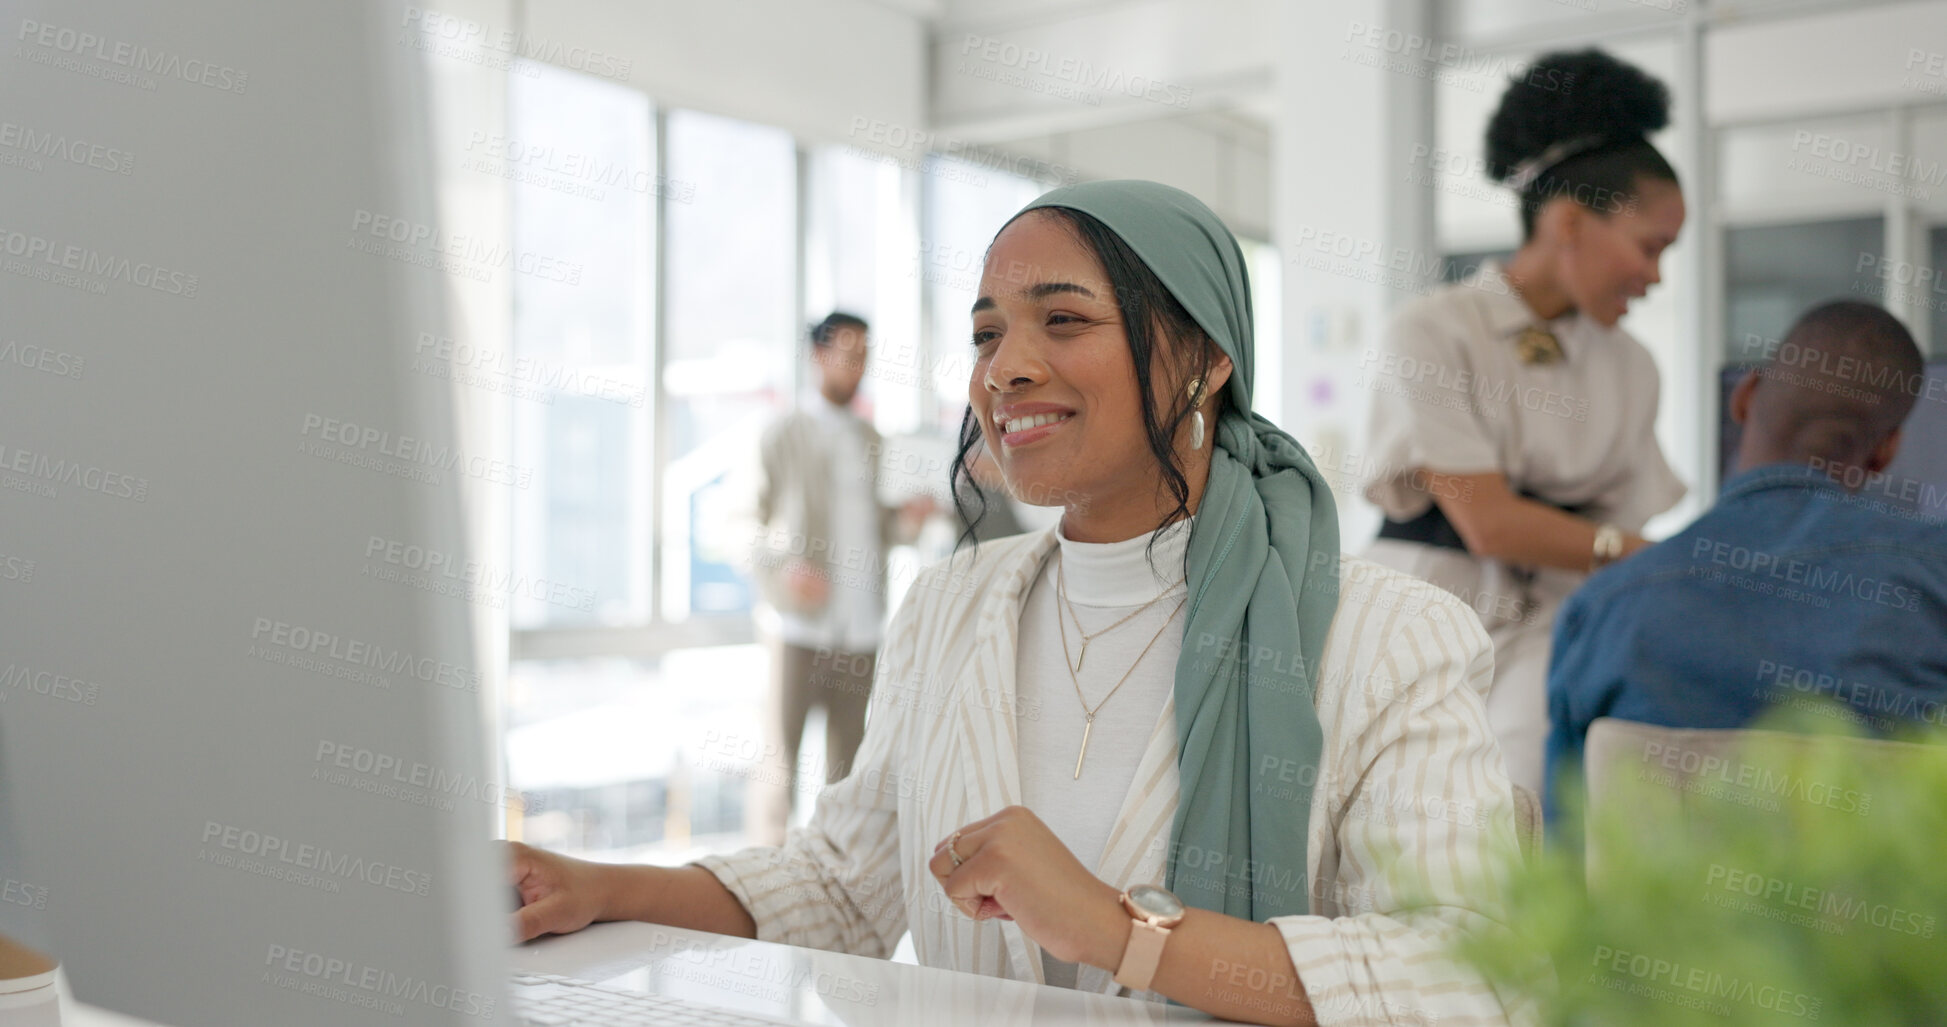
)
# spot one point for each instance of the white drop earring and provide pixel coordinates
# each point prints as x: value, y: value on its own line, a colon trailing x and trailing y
x: 1196, y: 414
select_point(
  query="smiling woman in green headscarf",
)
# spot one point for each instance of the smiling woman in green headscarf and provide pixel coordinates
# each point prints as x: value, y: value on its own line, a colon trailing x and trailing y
x: 1177, y: 744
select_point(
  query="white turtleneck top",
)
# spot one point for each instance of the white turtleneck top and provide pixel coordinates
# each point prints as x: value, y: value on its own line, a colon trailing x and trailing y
x: 1105, y: 582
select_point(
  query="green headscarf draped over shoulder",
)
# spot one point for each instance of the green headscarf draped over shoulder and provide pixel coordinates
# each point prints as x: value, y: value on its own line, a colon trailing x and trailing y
x: 1263, y: 580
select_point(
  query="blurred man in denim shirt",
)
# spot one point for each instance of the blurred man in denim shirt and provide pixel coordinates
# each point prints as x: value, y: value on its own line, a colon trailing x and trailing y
x: 1794, y: 589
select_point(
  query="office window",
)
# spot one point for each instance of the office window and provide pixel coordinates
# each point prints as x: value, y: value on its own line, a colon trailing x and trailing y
x: 637, y: 759
x: 861, y: 223
x: 1267, y: 328
x: 732, y: 328
x: 580, y: 158
x: 966, y: 205
x: 1772, y: 273
x: 1934, y: 295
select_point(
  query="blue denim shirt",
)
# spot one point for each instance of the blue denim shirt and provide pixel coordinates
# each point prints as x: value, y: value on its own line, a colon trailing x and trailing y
x: 1789, y: 591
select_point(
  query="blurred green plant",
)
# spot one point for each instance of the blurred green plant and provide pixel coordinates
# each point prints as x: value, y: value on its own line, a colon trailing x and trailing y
x: 1791, y: 884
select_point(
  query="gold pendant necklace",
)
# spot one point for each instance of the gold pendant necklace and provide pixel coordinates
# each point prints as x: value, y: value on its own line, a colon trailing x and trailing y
x: 1088, y: 715
x: 1061, y: 592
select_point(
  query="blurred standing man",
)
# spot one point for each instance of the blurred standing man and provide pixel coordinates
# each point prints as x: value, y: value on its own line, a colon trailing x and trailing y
x: 820, y: 563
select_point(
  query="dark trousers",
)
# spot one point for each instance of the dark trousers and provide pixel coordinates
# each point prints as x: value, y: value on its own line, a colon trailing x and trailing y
x: 840, y: 682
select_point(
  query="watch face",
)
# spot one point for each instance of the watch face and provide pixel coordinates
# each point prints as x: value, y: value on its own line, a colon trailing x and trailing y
x: 1157, y: 902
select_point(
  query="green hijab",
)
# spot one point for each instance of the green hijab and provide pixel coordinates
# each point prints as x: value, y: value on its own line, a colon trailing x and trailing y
x: 1263, y: 580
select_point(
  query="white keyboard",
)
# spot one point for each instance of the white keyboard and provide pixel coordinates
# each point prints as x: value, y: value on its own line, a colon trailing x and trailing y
x: 549, y: 1000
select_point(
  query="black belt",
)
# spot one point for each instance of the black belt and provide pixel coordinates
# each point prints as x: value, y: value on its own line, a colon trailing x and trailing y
x: 1432, y: 528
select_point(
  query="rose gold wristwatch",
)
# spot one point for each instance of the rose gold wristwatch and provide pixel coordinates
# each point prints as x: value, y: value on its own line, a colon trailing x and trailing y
x: 1155, y: 911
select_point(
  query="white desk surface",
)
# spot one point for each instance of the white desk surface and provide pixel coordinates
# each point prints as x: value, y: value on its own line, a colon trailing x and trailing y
x: 793, y: 983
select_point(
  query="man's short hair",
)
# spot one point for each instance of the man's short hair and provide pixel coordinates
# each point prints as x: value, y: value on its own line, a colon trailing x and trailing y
x: 1843, y: 379
x: 823, y: 332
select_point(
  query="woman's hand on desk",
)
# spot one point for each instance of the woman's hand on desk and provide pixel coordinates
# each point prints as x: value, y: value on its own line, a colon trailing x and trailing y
x: 562, y: 895
x: 1013, y: 866
x: 559, y: 895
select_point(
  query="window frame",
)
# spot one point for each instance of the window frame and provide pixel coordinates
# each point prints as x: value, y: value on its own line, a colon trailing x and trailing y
x: 659, y: 635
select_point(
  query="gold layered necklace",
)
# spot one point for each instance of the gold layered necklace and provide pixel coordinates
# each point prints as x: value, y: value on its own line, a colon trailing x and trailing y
x: 1088, y: 713
x: 1061, y: 592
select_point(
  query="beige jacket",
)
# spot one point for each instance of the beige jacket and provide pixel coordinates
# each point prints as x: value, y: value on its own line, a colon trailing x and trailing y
x: 1410, y: 801
x: 793, y: 514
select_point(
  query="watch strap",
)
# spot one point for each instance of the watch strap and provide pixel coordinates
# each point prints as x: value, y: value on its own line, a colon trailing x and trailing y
x: 1142, y: 955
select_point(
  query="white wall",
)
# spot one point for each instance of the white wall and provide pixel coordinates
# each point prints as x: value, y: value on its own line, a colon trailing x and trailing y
x: 1222, y: 160
x: 817, y: 70
x: 1842, y: 60
x: 999, y: 73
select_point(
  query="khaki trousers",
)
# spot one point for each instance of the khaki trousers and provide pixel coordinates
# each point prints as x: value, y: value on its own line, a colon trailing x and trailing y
x: 840, y: 682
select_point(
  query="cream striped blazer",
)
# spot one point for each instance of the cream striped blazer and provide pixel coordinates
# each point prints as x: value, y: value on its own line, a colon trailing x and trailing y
x: 1411, y: 800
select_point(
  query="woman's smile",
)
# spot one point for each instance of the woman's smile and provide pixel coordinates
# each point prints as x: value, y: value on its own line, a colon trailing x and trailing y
x: 1022, y: 424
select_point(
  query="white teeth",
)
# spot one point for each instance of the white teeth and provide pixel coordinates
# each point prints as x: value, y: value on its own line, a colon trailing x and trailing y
x: 1032, y: 421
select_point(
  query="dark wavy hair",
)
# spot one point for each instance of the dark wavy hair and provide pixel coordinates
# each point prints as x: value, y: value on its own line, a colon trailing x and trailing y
x: 1597, y: 113
x: 1162, y: 337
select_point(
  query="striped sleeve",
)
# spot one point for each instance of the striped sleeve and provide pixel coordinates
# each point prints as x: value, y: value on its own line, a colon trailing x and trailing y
x: 835, y: 884
x: 1420, y: 807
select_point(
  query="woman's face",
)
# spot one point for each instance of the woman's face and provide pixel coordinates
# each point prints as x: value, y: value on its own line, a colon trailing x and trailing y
x: 1609, y: 259
x: 1054, y: 384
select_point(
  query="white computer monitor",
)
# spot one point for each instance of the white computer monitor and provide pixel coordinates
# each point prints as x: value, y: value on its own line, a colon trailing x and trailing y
x: 240, y: 726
